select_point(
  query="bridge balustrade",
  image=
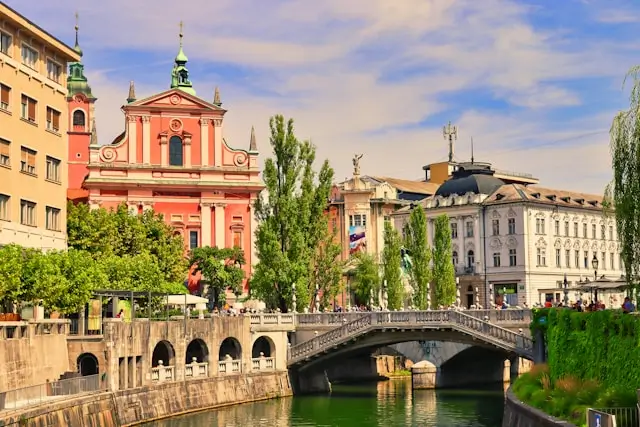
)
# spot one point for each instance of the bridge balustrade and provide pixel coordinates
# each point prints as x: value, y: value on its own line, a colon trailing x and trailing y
x: 262, y: 364
x: 162, y: 373
x: 229, y: 367
x: 195, y: 369
x: 272, y: 319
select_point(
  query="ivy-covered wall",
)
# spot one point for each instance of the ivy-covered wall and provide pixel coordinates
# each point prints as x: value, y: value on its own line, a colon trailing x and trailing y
x: 602, y: 346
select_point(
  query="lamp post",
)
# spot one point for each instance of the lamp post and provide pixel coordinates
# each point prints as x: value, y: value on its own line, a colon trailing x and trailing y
x: 293, y: 297
x: 491, y: 296
x: 566, y: 290
x: 594, y: 264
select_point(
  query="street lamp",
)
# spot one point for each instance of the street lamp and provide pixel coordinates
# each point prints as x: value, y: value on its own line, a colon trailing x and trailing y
x: 293, y: 297
x: 594, y: 264
x: 566, y: 290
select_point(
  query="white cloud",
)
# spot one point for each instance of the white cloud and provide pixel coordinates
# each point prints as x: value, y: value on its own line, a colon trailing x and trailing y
x: 416, y: 52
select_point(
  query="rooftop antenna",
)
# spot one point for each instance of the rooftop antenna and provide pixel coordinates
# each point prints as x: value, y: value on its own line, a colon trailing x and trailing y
x: 450, y: 133
x: 471, y: 150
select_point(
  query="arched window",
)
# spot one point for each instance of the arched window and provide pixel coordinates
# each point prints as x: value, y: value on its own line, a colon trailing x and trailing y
x: 175, y: 151
x: 454, y: 256
x: 471, y: 259
x: 78, y: 118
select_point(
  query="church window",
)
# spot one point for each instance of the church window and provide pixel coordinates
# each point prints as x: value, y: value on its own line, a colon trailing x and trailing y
x: 175, y: 151
x: 78, y: 118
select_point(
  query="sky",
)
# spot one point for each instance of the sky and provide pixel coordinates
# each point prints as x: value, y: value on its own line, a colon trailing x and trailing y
x: 535, y: 83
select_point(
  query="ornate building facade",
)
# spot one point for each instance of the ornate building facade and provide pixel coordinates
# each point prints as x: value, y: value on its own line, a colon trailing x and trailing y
x: 172, y: 158
x: 517, y: 242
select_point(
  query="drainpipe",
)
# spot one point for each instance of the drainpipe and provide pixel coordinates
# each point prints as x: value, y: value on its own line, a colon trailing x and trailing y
x: 484, y: 257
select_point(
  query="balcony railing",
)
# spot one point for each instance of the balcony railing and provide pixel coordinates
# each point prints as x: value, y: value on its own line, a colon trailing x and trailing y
x: 462, y: 270
x: 262, y: 364
x: 228, y: 367
x: 162, y: 373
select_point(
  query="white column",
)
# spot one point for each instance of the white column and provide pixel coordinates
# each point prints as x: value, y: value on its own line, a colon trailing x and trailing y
x: 205, y: 231
x: 204, y: 141
x: 479, y: 254
x: 147, y: 206
x: 187, y: 152
x: 219, y: 219
x: 132, y: 135
x: 146, y: 140
x: 163, y: 150
x: 217, y: 142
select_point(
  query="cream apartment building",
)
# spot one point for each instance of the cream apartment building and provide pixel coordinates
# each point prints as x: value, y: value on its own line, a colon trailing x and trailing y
x: 33, y: 133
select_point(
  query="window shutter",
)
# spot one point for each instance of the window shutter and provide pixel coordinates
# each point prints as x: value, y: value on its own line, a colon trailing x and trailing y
x: 32, y: 110
x: 4, y: 95
x: 56, y: 120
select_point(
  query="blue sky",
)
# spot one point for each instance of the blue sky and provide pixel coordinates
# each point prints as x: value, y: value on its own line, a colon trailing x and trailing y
x: 535, y: 83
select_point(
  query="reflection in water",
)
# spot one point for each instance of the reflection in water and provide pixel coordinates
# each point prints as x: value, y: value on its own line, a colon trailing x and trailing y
x: 366, y: 405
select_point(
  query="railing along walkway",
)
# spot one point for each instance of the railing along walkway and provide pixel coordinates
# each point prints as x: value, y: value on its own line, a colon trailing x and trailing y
x: 457, y: 320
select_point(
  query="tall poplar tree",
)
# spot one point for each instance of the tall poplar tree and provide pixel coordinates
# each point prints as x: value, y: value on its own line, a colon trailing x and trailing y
x: 623, y: 193
x: 444, y: 275
x: 292, y: 240
x: 392, y: 265
x: 366, y: 278
x: 418, y: 246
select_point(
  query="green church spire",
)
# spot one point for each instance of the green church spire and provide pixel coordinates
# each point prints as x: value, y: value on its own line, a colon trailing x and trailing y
x: 180, y: 73
x: 76, y: 80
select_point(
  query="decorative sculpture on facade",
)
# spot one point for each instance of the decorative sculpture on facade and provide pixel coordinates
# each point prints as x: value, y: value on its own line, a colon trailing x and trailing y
x: 356, y: 164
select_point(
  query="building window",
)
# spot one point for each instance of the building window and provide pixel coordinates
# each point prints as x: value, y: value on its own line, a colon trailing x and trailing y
x: 495, y: 227
x: 557, y: 228
x: 512, y: 225
x: 454, y: 257
x: 78, y: 118
x: 27, y: 160
x: 27, y: 213
x: 612, y: 260
x: 175, y: 151
x: 53, y: 119
x: 540, y: 226
x: 358, y: 220
x: 584, y: 230
x: 577, y: 259
x: 469, y: 229
x: 567, y: 258
x: 566, y: 228
x: 54, y: 70
x: 471, y: 259
x: 611, y: 232
x: 513, y: 259
x: 603, y: 259
x: 496, y: 259
x: 575, y: 229
x: 53, y: 219
x: 593, y: 231
x: 586, y: 259
x: 193, y: 239
x: 29, y: 107
x: 558, y: 258
x: 53, y: 169
x: 541, y: 257
x: 5, y: 153
x: 5, y: 97
x: 454, y: 230
x: 29, y: 56
x: 5, y: 43
x: 237, y: 239
x: 4, y: 207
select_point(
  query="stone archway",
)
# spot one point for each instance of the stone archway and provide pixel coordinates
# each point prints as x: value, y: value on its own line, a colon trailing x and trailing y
x: 198, y: 350
x: 163, y: 351
x: 230, y: 347
x: 88, y: 364
x: 263, y: 347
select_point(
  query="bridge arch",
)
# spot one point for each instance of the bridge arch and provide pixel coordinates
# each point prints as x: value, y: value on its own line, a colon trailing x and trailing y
x: 231, y: 347
x: 475, y: 365
x: 263, y: 346
x: 88, y: 364
x: 198, y: 350
x: 163, y: 351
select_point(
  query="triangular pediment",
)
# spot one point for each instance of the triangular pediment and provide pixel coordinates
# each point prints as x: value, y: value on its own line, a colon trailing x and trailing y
x: 175, y: 98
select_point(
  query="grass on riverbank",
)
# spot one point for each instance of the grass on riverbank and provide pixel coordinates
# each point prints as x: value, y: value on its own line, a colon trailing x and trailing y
x: 400, y: 373
x: 568, y: 398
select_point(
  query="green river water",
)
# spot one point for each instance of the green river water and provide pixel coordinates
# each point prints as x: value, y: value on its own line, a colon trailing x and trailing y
x: 386, y: 403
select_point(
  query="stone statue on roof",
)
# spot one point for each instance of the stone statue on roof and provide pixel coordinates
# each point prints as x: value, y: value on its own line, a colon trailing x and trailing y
x: 356, y: 164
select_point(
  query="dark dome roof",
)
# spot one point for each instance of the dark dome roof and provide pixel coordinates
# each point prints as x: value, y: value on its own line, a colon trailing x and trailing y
x: 476, y: 178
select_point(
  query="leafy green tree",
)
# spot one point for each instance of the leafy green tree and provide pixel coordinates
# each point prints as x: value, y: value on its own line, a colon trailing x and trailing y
x: 12, y: 259
x: 418, y: 246
x: 222, y: 268
x: 623, y: 193
x: 366, y: 277
x: 392, y: 266
x: 105, y: 233
x: 292, y: 222
x: 41, y: 279
x: 327, y: 270
x: 444, y: 275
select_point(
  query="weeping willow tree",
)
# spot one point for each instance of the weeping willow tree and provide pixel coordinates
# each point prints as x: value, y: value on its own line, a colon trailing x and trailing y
x: 622, y: 196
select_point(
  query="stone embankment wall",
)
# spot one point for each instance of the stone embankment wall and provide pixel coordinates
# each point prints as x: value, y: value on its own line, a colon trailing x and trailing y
x: 518, y: 414
x: 135, y: 406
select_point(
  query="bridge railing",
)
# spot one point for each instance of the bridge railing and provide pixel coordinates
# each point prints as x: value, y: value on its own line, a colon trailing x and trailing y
x: 476, y: 325
x: 273, y: 319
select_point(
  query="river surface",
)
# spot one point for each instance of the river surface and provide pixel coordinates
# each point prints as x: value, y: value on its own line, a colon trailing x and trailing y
x: 386, y: 403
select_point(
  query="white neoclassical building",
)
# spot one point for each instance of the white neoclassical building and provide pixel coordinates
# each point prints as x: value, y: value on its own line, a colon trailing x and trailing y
x: 517, y: 241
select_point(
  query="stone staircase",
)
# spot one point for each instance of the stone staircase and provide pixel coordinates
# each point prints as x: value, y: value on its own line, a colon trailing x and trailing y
x: 372, y: 322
